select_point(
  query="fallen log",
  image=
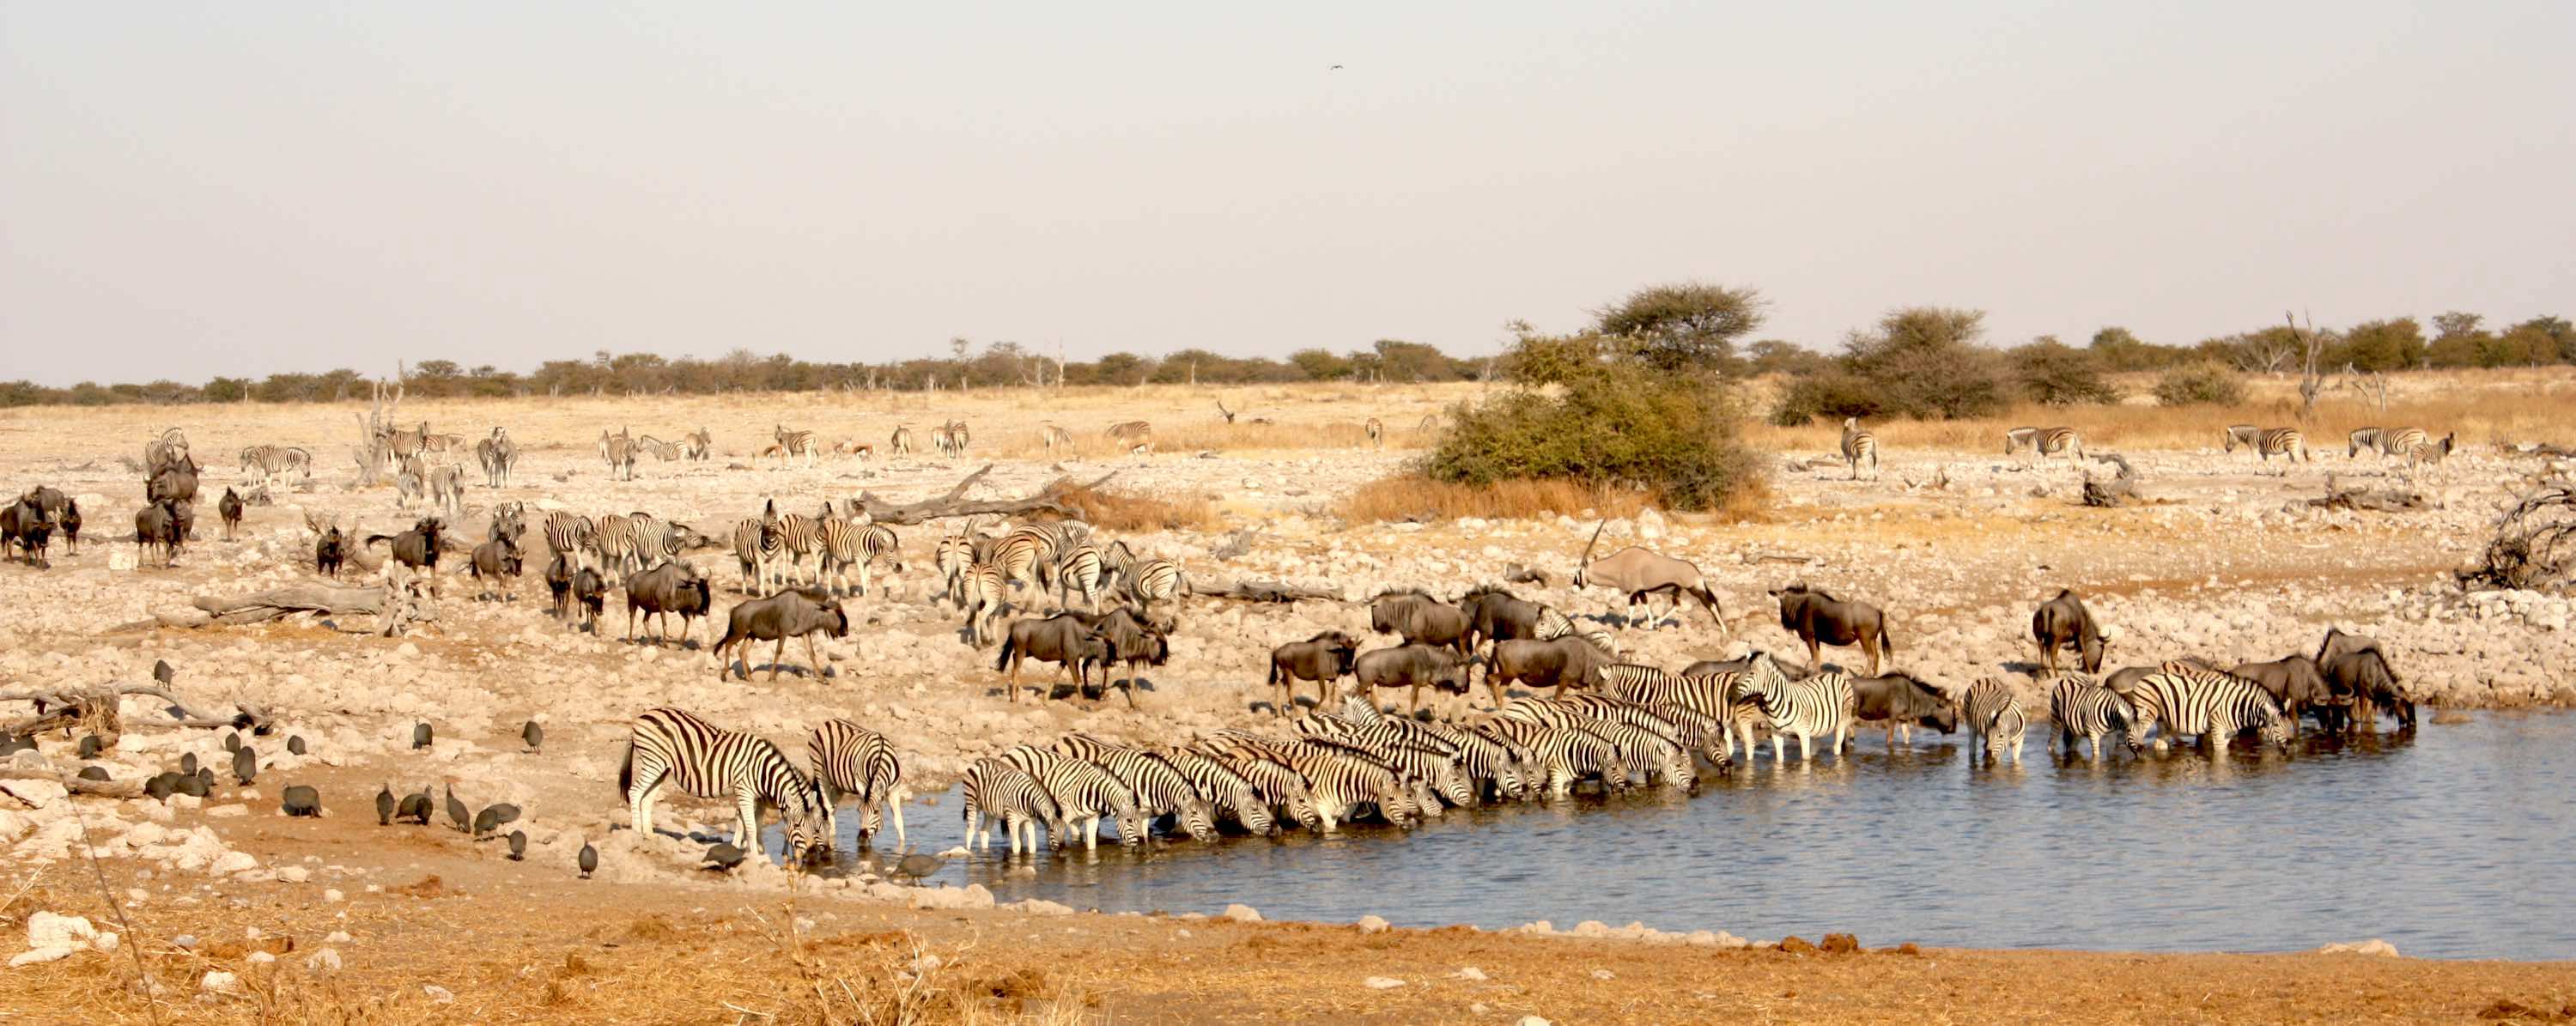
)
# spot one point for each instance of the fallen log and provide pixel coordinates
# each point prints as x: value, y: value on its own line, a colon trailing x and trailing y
x: 1261, y: 591
x: 294, y: 598
x: 2121, y: 488
x: 96, y: 709
x: 955, y: 504
x: 76, y: 785
x: 2375, y: 500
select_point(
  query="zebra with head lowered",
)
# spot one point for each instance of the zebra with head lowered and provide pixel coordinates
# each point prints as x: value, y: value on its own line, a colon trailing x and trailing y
x: 1650, y: 754
x: 1280, y: 789
x: 2044, y: 442
x: 1859, y: 446
x: 850, y: 543
x: 1810, y: 708
x: 675, y: 746
x: 1337, y: 780
x: 2363, y: 440
x: 1084, y: 793
x: 1994, y: 719
x: 271, y: 461
x: 2082, y: 708
x: 1223, y: 788
x: 2236, y: 436
x: 1160, y: 789
x: 1431, y: 771
x: 849, y: 759
x: 1559, y: 757
x: 2214, y: 704
x: 1004, y: 791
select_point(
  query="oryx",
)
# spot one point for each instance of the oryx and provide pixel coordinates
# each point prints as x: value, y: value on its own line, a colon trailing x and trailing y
x: 1639, y: 573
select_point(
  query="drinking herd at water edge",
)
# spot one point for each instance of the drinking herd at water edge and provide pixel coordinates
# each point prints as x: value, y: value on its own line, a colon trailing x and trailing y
x: 1109, y: 609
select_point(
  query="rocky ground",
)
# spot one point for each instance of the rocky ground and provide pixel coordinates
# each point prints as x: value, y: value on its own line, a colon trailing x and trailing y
x: 2225, y: 561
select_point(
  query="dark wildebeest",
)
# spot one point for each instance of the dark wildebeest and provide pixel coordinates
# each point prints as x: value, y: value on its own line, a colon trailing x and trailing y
x: 1557, y: 662
x: 329, y: 552
x: 1066, y: 639
x: 673, y: 587
x: 1134, y: 642
x: 24, y: 526
x: 68, y: 520
x: 1411, y: 666
x: 230, y: 509
x: 165, y: 524
x: 1419, y: 619
x: 2358, y: 671
x: 2062, y: 623
x: 497, y: 560
x: 576, y: 588
x: 1494, y: 614
x: 1324, y: 659
x: 1818, y: 618
x: 416, y: 548
x: 2298, y: 686
x: 801, y: 612
x: 173, y: 481
x: 1903, y: 702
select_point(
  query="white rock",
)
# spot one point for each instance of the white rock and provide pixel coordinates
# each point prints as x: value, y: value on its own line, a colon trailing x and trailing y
x: 1242, y: 914
x: 1382, y: 983
x: 1469, y: 973
x: 2373, y: 946
x: 439, y: 994
x: 33, y: 956
x: 1531, y: 1020
x: 326, y: 960
x: 294, y: 874
x: 332, y: 894
x: 1373, y: 924
x: 46, y: 929
x: 217, y: 981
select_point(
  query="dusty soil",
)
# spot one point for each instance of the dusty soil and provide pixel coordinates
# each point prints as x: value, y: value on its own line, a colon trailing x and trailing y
x: 1958, y: 543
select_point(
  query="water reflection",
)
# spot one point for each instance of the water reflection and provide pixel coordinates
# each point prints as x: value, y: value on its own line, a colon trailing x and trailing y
x: 2456, y: 843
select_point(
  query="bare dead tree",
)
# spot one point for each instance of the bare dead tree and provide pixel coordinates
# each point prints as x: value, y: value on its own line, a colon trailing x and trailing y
x: 1222, y: 411
x: 375, y: 431
x: 2372, y: 385
x: 2313, y: 345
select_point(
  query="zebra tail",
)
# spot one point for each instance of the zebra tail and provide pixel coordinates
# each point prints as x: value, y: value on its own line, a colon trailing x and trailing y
x: 626, y: 770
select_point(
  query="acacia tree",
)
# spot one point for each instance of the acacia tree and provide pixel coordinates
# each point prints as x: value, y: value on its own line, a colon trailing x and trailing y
x: 1684, y: 325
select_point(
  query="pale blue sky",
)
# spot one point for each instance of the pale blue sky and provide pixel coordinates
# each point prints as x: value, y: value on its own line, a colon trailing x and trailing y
x: 188, y: 190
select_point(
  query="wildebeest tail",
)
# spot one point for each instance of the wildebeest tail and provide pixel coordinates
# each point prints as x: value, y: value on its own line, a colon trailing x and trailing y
x: 1886, y: 642
x: 374, y: 538
x: 1010, y: 644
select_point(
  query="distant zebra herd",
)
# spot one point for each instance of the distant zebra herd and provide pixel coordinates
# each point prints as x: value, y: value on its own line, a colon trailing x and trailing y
x: 1859, y: 445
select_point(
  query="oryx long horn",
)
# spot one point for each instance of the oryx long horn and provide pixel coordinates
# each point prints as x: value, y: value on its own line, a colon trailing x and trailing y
x: 1587, y: 546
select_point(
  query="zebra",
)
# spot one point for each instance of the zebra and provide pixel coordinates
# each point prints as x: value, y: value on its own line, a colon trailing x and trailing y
x: 2214, y: 704
x: 1337, y: 781
x: 982, y: 596
x: 1993, y: 716
x: 1650, y: 753
x: 800, y: 536
x: 848, y: 543
x: 675, y: 746
x: 1559, y: 756
x: 1376, y: 431
x: 756, y: 543
x: 1809, y: 708
x: 1223, y: 788
x: 1859, y: 446
x: 1079, y: 570
x: 1015, y: 799
x: 1084, y: 793
x: 2045, y: 442
x: 411, y: 480
x: 1054, y: 438
x: 901, y: 443
x: 658, y: 541
x: 2287, y: 443
x: 616, y: 539
x: 2244, y: 435
x: 1160, y: 789
x: 958, y: 436
x: 498, y: 455
x: 619, y: 450
x: 1131, y: 433
x: 2401, y: 441
x: 569, y: 534
x: 2363, y: 440
x: 793, y: 443
x: 1691, y: 730
x: 2433, y: 453
x: 273, y: 460
x: 1277, y: 784
x: 659, y: 449
x: 1148, y: 580
x: 1434, y: 767
x: 1487, y: 762
x: 442, y: 445
x: 951, y: 558
x: 2082, y: 708
x: 849, y: 759
x: 399, y: 442
x: 1027, y: 554
x: 447, y: 491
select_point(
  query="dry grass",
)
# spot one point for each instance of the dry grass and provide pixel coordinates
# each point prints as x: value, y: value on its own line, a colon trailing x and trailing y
x: 2484, y: 406
x: 1124, y: 511
x: 1405, y: 497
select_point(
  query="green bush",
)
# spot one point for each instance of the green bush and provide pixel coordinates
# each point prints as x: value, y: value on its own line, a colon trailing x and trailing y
x: 1832, y: 394
x: 2205, y: 382
x: 1621, y: 426
x: 2056, y: 374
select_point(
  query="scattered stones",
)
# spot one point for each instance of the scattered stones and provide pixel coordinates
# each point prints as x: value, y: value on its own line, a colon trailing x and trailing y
x: 1382, y: 983
x: 2373, y: 946
x: 1242, y: 914
x: 1373, y: 924
x: 1841, y: 944
x: 1470, y: 974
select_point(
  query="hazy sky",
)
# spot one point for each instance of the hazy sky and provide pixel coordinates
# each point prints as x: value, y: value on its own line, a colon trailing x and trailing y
x: 189, y: 190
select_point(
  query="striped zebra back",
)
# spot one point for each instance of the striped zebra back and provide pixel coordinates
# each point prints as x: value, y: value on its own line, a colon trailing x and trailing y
x: 1434, y: 765
x: 854, y: 759
x: 1271, y: 777
x: 2215, y: 704
x: 1568, y: 753
x: 1622, y: 679
x: 1083, y: 790
x: 2085, y: 708
x: 1157, y: 580
x: 1990, y: 705
x: 2362, y: 440
x: 998, y: 787
x: 570, y: 535
x: 1858, y: 443
x: 1483, y: 758
x: 2053, y: 441
x: 1161, y: 790
x: 2401, y: 441
x: 2241, y: 435
x: 1352, y: 777
x: 1222, y: 787
x: 2282, y: 441
x: 708, y: 761
x: 1817, y: 705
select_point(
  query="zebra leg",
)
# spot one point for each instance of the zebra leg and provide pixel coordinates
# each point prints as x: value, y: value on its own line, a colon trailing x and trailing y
x: 639, y: 799
x: 1780, y: 745
x: 1804, y: 754
x: 831, y: 808
x: 747, y: 826
x: 894, y: 810
x: 975, y: 829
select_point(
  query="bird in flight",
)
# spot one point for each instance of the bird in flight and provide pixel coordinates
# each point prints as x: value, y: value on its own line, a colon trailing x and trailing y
x: 1337, y: 67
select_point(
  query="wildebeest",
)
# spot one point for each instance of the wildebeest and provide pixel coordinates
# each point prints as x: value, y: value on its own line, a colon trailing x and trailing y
x: 497, y: 560
x: 798, y: 612
x: 576, y: 589
x: 230, y: 509
x: 1494, y: 614
x: 68, y: 520
x: 1419, y: 619
x: 1411, y: 666
x: 416, y: 548
x: 25, y: 527
x: 2062, y: 623
x: 659, y: 593
x: 1818, y: 618
x: 2297, y: 685
x: 162, y: 523
x: 1558, y: 662
x: 331, y: 550
x: 1066, y: 639
x: 1903, y: 702
x: 176, y: 481
x: 1324, y: 659
x: 1637, y: 573
x: 1132, y: 641
x: 2358, y: 671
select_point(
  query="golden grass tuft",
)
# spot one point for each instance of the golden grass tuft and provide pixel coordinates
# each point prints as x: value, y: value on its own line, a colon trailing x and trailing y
x: 1126, y: 511
x: 1409, y: 497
